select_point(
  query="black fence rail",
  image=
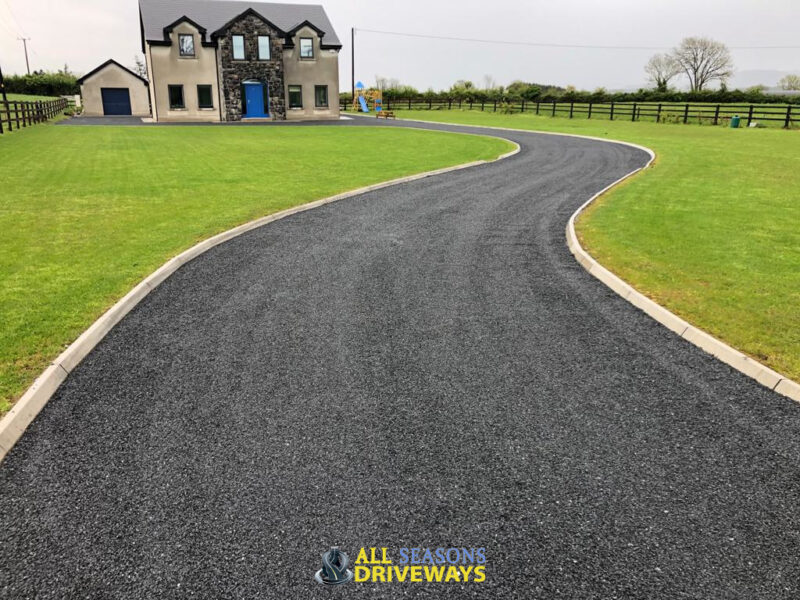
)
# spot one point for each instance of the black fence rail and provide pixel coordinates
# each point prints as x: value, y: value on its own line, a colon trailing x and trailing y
x: 786, y: 115
x: 19, y: 114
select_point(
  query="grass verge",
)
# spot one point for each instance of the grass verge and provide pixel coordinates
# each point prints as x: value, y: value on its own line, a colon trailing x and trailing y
x: 712, y: 231
x: 87, y: 212
x: 28, y: 97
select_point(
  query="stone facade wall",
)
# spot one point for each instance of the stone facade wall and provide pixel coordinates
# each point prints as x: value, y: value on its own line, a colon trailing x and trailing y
x: 233, y: 73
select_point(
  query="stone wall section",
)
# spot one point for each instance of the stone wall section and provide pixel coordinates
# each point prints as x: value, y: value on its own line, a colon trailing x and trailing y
x: 233, y: 73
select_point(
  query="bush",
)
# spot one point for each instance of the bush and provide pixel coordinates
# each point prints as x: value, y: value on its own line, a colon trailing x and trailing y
x: 43, y: 84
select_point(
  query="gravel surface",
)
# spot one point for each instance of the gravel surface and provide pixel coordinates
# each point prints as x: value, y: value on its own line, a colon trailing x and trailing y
x: 423, y: 366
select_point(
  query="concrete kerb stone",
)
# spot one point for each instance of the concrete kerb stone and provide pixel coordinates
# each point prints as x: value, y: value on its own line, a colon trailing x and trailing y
x: 706, y: 342
x: 14, y: 423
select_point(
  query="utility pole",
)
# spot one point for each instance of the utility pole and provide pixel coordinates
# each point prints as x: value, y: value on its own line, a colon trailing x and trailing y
x: 25, y: 41
x: 353, y: 62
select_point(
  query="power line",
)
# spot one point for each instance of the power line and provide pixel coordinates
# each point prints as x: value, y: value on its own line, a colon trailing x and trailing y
x: 14, y: 17
x: 547, y: 45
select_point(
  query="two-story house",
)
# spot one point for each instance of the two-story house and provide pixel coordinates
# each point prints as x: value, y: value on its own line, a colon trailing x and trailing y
x: 222, y: 60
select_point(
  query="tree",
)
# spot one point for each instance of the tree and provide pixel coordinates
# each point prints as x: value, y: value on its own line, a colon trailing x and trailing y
x: 703, y: 60
x: 488, y: 82
x: 524, y: 91
x: 139, y: 67
x: 661, y: 69
x: 790, y: 82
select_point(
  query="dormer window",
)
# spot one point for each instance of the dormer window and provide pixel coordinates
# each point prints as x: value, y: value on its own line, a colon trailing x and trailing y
x: 186, y: 44
x: 263, y: 47
x: 238, y: 47
x: 306, y: 48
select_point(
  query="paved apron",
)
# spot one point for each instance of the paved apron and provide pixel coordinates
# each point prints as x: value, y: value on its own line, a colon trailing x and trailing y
x: 426, y: 365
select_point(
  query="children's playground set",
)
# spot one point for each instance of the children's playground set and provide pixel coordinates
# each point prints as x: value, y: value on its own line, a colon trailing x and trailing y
x: 363, y: 98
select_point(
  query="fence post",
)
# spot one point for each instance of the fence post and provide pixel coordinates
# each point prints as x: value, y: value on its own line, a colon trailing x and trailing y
x: 483, y: 104
x: 590, y: 111
x: 522, y: 106
x: 633, y: 112
x: 537, y: 107
x: 16, y: 112
x: 495, y: 106
x: 470, y: 103
x: 750, y: 116
x: 571, y: 109
x: 554, y: 108
x: 8, y: 115
x: 686, y: 114
x: 449, y: 104
x: 430, y: 104
x: 612, y: 111
x: 716, y: 115
x: 786, y: 125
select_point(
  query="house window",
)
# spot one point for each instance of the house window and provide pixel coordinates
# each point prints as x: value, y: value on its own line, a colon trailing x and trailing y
x: 306, y: 48
x: 186, y: 44
x: 295, y: 96
x: 263, y: 47
x: 176, y: 97
x: 204, y: 97
x: 321, y: 96
x: 238, y: 47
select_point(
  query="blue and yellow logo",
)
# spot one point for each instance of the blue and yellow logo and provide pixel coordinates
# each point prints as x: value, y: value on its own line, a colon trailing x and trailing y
x: 409, y: 565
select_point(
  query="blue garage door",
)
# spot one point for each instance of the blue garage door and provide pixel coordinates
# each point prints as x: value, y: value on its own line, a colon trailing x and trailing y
x: 116, y: 101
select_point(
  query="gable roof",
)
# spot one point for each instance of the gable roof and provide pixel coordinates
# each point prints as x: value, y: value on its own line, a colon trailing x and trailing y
x: 111, y: 61
x: 213, y: 15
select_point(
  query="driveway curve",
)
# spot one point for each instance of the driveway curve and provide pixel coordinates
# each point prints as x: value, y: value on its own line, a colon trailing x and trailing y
x: 422, y: 366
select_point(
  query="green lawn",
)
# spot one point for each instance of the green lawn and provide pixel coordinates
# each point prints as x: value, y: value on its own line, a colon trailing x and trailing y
x: 28, y: 97
x: 712, y: 231
x: 87, y: 212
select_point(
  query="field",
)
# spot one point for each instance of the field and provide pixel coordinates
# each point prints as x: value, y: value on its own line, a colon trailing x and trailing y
x: 27, y: 97
x: 87, y: 212
x: 763, y: 115
x: 711, y: 231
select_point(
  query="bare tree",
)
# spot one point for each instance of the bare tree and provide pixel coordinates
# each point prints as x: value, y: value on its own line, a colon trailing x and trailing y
x: 703, y: 60
x: 139, y: 67
x: 661, y: 69
x: 790, y: 83
x: 488, y: 82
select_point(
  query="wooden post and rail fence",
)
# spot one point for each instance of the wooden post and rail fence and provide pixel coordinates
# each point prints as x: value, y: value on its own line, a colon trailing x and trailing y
x: 677, y: 112
x: 19, y: 114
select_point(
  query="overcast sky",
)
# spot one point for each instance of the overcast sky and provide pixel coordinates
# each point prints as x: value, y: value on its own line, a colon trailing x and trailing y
x: 84, y: 33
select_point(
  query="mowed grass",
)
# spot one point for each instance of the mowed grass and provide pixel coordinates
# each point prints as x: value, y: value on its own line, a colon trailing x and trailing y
x: 711, y: 231
x: 87, y: 212
x: 28, y: 97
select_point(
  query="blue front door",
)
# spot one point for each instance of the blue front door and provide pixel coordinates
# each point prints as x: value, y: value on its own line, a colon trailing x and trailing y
x: 254, y: 100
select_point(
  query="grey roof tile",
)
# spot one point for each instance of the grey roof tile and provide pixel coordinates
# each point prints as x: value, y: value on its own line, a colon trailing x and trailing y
x: 213, y: 14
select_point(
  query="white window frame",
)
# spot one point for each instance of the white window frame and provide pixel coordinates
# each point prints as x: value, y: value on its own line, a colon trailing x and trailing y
x: 233, y: 47
x: 269, y: 49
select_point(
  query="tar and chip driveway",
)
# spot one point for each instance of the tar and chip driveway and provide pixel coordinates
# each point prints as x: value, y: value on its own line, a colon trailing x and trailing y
x: 426, y: 365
